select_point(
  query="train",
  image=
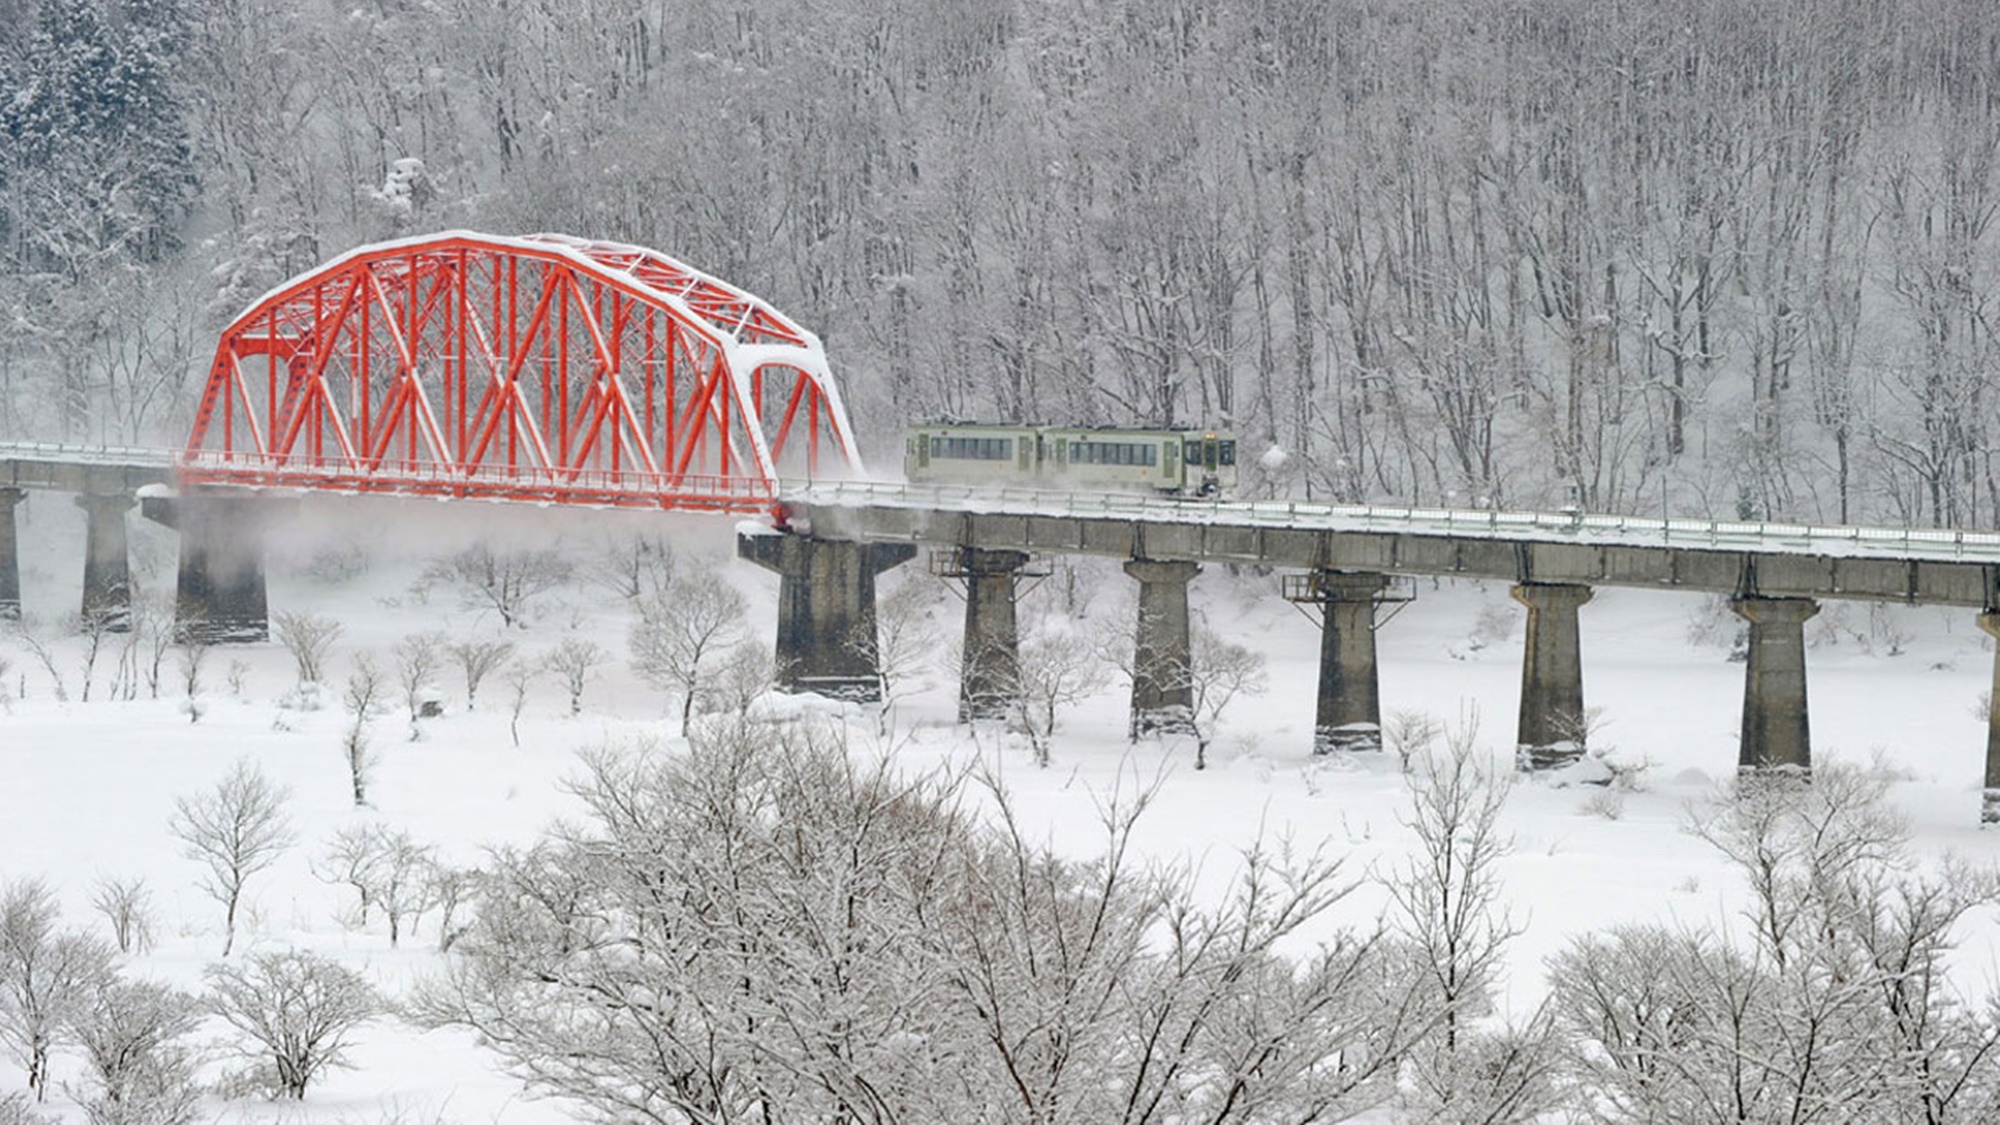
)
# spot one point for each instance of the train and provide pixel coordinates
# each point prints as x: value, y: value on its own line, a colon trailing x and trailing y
x: 1185, y: 463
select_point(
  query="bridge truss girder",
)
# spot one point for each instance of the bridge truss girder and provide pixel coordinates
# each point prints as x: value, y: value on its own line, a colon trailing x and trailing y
x: 545, y: 369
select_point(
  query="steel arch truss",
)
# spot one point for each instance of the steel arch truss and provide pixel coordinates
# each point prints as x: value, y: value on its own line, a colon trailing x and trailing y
x: 543, y: 368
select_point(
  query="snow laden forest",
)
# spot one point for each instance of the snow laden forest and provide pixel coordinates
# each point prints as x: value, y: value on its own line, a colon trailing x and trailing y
x: 1712, y: 257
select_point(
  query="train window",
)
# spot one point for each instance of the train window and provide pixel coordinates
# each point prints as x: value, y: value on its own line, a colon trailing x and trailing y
x: 1191, y: 453
x: 973, y: 448
x: 1229, y: 453
x: 1113, y: 453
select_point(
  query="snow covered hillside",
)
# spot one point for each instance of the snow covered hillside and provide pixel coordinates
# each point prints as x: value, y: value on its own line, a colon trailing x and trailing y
x: 88, y: 789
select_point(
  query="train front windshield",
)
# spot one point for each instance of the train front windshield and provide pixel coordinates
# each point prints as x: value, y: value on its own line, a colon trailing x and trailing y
x: 1211, y: 453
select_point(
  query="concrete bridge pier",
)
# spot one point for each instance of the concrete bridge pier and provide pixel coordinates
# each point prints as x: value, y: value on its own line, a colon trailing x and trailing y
x: 1551, y: 730
x: 107, y: 566
x: 1989, y: 801
x: 826, y: 610
x: 1162, y: 693
x: 1348, y: 715
x: 1776, y: 733
x: 10, y: 555
x: 989, y: 683
x: 219, y: 592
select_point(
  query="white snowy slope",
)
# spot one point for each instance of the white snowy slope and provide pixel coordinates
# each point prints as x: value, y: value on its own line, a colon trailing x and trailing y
x: 86, y: 789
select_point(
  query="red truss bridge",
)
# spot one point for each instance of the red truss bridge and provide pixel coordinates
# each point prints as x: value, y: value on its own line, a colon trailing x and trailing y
x: 546, y: 368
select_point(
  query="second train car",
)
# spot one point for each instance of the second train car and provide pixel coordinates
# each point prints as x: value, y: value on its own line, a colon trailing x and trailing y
x: 1170, y: 462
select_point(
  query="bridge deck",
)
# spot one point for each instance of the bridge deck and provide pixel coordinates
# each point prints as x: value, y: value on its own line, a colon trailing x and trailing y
x: 83, y: 469
x: 1730, y: 557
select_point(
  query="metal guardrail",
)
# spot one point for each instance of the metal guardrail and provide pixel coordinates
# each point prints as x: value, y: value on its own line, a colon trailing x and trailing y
x: 133, y: 456
x: 1556, y: 527
x: 1550, y: 527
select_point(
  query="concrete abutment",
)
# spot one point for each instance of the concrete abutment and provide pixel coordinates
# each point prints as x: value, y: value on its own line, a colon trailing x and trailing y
x: 826, y: 610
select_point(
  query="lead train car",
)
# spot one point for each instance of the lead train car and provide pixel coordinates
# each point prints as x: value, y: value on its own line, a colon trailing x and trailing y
x: 1174, y: 462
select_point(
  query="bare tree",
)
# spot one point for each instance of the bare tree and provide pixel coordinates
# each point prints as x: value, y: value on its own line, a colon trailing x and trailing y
x: 350, y: 857
x: 309, y: 637
x: 633, y: 567
x: 363, y: 699
x: 297, y: 1009
x: 683, y: 629
x: 573, y: 661
x: 902, y: 643
x: 127, y: 905
x: 743, y: 675
x: 1218, y: 671
x: 190, y: 665
x: 419, y: 657
x: 388, y: 870
x: 29, y: 633
x: 1410, y: 735
x: 519, y: 676
x: 1058, y: 668
x: 234, y: 830
x: 45, y: 975
x: 95, y: 626
x: 141, y: 651
x: 507, y: 582
x: 476, y: 659
x: 133, y: 1036
x: 402, y: 877
x: 451, y: 891
x: 1455, y: 928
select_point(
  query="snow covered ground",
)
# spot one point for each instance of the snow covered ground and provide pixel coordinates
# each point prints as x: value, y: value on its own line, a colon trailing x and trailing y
x: 86, y: 789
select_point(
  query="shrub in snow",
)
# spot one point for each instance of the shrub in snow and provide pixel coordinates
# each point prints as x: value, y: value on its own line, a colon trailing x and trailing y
x: 766, y: 919
x: 17, y: 1110
x: 1607, y: 804
x: 1838, y: 997
x: 132, y: 1035
x: 45, y: 974
x: 126, y: 905
x: 295, y: 1011
x: 309, y: 637
x: 305, y: 697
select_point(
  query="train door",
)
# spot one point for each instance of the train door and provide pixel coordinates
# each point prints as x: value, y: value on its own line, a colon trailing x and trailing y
x: 1209, y: 455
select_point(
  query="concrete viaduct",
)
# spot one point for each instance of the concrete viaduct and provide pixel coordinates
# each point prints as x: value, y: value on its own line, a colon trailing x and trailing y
x: 1774, y: 575
x: 839, y: 537
x: 219, y: 588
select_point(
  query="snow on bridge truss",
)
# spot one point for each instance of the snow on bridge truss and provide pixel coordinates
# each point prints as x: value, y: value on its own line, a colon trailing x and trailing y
x: 545, y: 368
